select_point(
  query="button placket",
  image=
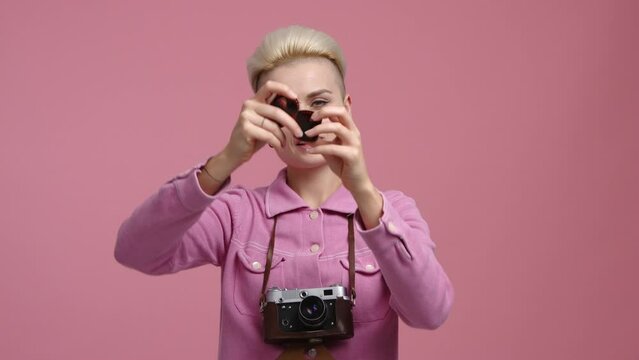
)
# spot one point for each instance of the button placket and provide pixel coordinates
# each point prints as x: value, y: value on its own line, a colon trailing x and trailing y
x: 313, y: 216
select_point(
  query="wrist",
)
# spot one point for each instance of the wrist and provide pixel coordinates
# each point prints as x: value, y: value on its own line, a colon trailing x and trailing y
x: 229, y: 160
x: 365, y: 190
x: 370, y: 205
x: 220, y: 166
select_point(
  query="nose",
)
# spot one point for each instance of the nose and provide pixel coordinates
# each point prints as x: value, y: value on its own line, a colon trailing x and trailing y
x: 303, y: 106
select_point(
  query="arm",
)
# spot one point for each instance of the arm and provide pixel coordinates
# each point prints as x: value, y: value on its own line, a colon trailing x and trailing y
x: 190, y: 220
x: 421, y: 292
x: 181, y: 226
x: 392, y: 226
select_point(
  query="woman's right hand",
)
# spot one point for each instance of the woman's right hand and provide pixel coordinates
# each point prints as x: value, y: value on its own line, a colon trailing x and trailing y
x: 260, y: 123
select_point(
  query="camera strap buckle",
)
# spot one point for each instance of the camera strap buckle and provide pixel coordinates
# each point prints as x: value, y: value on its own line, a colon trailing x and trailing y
x: 353, y: 296
x: 262, y: 303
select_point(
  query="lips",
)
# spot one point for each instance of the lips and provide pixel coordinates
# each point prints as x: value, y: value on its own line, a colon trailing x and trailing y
x: 302, y: 145
x: 322, y: 139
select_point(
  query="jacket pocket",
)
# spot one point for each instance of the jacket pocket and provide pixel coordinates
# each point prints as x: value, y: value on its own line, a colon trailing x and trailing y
x: 372, y: 294
x: 249, y: 275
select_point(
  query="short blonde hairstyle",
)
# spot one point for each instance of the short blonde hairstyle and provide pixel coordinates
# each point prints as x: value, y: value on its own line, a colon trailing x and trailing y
x: 290, y: 43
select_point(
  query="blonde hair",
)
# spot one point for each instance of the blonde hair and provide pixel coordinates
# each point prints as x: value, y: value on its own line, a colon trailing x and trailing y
x: 291, y: 43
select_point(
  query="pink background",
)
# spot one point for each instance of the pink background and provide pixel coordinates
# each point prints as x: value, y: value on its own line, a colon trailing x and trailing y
x: 513, y: 124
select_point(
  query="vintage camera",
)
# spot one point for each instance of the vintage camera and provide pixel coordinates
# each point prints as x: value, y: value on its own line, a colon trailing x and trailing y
x: 302, y: 117
x: 301, y: 314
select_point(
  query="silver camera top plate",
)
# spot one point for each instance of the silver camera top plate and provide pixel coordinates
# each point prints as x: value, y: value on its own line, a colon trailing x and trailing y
x: 281, y: 296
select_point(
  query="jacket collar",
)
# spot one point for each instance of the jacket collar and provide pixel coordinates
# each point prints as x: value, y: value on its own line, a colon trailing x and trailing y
x: 281, y: 198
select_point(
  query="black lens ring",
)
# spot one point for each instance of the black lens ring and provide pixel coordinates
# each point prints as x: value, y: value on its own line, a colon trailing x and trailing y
x: 315, y: 320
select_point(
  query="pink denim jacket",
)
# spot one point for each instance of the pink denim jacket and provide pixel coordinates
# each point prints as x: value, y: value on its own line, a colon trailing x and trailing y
x: 397, y: 274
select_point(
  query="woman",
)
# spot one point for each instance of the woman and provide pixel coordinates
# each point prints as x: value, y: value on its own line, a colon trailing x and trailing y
x: 198, y: 217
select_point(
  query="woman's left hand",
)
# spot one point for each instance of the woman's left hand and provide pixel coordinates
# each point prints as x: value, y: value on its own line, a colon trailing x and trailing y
x: 344, y: 155
x: 346, y: 159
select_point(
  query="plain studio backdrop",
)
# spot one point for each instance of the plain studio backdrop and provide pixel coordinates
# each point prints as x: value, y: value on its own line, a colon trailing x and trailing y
x: 513, y: 124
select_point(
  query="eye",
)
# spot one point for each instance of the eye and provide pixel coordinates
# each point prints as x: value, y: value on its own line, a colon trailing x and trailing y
x: 319, y: 102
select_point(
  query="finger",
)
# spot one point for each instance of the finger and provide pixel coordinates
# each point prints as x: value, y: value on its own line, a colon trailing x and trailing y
x: 273, y: 127
x: 256, y: 132
x: 347, y: 136
x: 253, y: 130
x: 346, y: 153
x: 279, y: 116
x: 271, y: 88
x: 335, y: 113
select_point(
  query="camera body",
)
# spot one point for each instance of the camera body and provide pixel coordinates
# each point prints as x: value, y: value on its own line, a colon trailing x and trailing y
x: 302, y: 117
x: 302, y: 314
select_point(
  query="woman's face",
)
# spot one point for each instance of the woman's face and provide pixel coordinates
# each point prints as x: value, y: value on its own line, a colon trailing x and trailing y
x: 317, y: 83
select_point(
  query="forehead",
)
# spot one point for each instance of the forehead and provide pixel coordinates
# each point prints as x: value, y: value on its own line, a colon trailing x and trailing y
x: 306, y: 75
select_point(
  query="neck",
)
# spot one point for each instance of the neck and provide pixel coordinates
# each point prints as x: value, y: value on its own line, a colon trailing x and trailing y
x: 313, y: 185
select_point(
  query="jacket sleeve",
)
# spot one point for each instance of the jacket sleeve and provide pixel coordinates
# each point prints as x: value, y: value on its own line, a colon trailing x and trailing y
x: 179, y: 227
x: 421, y: 292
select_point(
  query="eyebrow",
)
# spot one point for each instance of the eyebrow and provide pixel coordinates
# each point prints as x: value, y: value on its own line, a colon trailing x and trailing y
x: 317, y: 92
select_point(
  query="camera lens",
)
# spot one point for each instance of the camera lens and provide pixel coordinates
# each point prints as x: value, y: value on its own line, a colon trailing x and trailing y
x: 303, y: 118
x: 289, y: 105
x: 312, y: 311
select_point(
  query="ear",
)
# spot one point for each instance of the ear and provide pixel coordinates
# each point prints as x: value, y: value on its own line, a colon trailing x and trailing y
x: 348, y: 102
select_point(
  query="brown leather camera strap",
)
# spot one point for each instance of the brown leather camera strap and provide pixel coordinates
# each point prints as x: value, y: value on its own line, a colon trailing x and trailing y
x: 351, y: 258
x: 351, y: 262
x: 267, y: 268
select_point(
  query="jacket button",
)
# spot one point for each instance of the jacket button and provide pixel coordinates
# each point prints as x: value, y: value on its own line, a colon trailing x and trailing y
x: 370, y: 267
x: 315, y: 248
x: 256, y: 265
x: 392, y: 228
x: 313, y: 214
